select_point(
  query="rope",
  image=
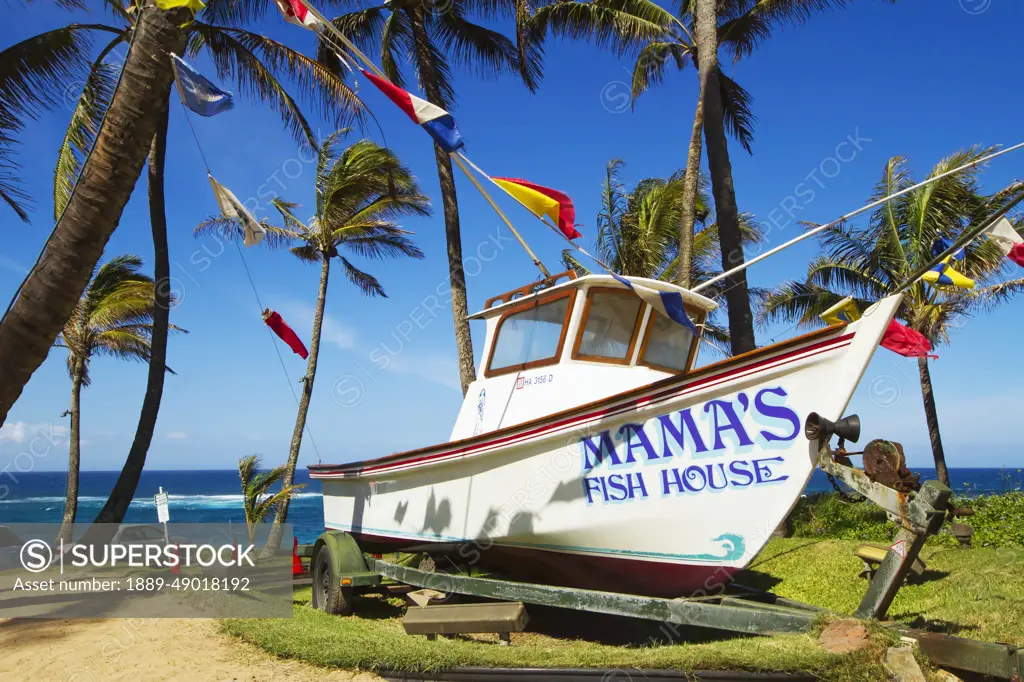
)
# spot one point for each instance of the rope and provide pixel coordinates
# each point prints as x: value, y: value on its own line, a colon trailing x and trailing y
x: 252, y: 283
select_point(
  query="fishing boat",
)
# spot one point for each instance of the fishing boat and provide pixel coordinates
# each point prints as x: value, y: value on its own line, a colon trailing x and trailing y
x: 591, y: 452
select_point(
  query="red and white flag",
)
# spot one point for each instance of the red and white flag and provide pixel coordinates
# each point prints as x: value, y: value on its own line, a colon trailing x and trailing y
x: 1007, y: 239
x: 296, y: 12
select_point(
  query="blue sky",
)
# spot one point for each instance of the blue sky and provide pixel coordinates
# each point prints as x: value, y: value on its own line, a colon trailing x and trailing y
x: 923, y: 79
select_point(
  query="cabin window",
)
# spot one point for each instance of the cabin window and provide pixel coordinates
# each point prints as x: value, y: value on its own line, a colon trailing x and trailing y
x: 531, y: 336
x: 611, y: 321
x: 668, y: 344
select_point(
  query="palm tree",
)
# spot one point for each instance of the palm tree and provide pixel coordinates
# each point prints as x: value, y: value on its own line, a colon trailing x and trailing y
x: 661, y: 38
x: 257, y: 499
x: 637, y: 232
x: 866, y: 263
x: 258, y: 65
x: 432, y: 39
x: 114, y: 318
x: 51, y: 291
x: 360, y: 191
x: 118, y: 122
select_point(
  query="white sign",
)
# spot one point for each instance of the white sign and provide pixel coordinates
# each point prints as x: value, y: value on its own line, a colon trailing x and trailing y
x: 900, y: 548
x: 162, y: 514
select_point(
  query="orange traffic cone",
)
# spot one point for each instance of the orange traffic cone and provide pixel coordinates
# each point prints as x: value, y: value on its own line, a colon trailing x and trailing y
x: 176, y: 568
x: 296, y: 561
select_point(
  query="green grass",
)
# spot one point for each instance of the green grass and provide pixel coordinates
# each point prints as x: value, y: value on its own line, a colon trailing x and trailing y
x: 975, y: 593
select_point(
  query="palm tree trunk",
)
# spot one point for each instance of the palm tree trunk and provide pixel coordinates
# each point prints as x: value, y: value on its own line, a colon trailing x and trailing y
x: 453, y: 234
x: 741, y: 320
x: 74, y: 454
x: 931, y: 415
x: 56, y: 283
x: 690, y: 184
x: 121, y: 495
x: 277, y: 530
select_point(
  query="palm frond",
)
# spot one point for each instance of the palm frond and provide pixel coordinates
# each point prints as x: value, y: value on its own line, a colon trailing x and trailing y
x: 231, y: 229
x: 471, y: 46
x: 649, y: 69
x: 620, y: 25
x: 738, y: 110
x: 364, y: 281
x: 258, y: 65
x: 84, y: 127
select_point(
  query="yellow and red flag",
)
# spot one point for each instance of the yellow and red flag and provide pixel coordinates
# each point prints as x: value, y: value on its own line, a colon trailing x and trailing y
x: 543, y: 201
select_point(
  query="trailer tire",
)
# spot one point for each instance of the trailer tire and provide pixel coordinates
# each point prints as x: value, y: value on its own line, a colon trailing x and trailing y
x: 328, y: 595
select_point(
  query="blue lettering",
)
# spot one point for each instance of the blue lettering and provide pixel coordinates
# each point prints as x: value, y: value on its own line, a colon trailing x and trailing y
x: 638, y: 486
x: 666, y: 484
x: 760, y: 469
x: 636, y: 438
x: 732, y: 422
x: 668, y: 428
x: 741, y: 472
x: 776, y: 412
x: 588, y: 490
x: 615, y: 483
x: 691, y: 474
x: 599, y: 448
x: 711, y: 476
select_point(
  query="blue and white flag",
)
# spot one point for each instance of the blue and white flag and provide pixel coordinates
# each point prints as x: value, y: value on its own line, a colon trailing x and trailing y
x: 199, y: 94
x: 667, y: 303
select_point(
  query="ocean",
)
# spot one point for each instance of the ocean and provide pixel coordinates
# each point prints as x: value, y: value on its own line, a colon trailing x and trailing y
x: 214, y: 497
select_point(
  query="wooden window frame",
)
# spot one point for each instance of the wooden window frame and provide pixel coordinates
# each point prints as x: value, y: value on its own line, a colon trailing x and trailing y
x: 535, y: 303
x: 697, y: 316
x: 576, y: 355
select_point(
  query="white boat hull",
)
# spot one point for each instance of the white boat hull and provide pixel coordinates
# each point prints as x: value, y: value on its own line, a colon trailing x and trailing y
x: 665, y: 491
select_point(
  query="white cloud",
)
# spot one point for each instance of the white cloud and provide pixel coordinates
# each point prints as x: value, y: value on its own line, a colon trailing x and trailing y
x: 300, y: 318
x: 177, y: 435
x: 440, y: 369
x: 23, y: 432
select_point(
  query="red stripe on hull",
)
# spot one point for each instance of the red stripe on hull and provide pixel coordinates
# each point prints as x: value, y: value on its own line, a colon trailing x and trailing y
x: 633, y: 576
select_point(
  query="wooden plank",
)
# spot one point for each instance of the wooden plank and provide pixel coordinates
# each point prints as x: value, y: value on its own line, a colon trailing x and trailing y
x: 452, y: 619
x: 998, y: 660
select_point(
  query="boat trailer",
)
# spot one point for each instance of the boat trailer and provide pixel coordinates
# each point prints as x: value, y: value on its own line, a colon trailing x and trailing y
x: 339, y: 569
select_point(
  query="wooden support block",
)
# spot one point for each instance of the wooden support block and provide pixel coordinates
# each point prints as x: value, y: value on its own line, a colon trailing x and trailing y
x: 873, y: 554
x: 451, y: 619
x: 901, y: 664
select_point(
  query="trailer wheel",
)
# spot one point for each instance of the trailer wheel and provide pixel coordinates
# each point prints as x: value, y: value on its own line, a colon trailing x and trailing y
x: 328, y: 595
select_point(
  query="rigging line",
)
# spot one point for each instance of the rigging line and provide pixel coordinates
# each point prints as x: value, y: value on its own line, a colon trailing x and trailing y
x: 277, y: 350
x: 74, y: 188
x: 256, y: 293
x: 851, y: 214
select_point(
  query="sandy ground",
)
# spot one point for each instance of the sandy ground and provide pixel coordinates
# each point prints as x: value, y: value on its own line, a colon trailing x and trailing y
x: 144, y: 649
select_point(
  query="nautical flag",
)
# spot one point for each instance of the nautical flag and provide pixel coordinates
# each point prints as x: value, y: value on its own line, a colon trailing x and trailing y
x: 844, y: 311
x: 667, y: 303
x: 199, y: 94
x: 285, y: 333
x: 944, y: 276
x: 231, y: 207
x: 905, y: 341
x: 296, y: 12
x: 1007, y: 239
x: 435, y: 120
x: 194, y: 5
x: 940, y: 244
x: 543, y: 201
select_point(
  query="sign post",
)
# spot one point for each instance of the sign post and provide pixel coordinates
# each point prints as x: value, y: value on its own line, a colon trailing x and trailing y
x: 162, y: 514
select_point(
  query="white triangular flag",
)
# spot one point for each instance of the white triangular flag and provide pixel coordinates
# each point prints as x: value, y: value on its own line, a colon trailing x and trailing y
x: 231, y: 207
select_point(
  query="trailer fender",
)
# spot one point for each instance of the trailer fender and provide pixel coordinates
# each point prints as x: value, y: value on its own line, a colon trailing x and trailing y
x: 347, y: 560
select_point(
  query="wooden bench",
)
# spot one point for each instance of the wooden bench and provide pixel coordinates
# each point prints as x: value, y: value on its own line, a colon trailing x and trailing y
x: 873, y: 554
x: 456, y: 619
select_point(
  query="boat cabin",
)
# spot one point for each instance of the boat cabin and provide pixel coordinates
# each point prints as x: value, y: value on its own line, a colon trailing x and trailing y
x: 567, y: 341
